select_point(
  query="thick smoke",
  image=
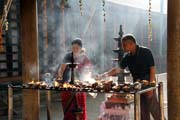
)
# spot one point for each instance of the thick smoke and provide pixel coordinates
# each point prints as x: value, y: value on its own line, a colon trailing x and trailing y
x: 97, y: 35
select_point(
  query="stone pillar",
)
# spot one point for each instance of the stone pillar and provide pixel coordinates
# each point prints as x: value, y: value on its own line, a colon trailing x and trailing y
x: 173, y: 60
x: 30, y: 58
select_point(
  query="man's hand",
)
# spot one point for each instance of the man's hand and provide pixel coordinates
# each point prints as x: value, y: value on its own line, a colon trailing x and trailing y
x: 112, y: 72
x: 59, y: 78
x: 98, y: 76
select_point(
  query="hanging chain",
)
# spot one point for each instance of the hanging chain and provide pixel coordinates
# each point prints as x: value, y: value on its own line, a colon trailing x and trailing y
x: 1, y: 40
x: 45, y: 24
x: 4, y: 21
x: 150, y: 21
x: 81, y: 7
x: 5, y: 15
x: 104, y: 11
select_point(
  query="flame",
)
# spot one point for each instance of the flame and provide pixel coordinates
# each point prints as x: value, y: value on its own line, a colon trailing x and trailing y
x: 43, y: 83
x: 56, y: 84
x: 87, y: 77
x: 32, y: 82
x: 65, y: 85
x: 38, y: 83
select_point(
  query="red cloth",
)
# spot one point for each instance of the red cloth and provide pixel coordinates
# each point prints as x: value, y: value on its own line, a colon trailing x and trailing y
x: 84, y: 62
x: 81, y: 102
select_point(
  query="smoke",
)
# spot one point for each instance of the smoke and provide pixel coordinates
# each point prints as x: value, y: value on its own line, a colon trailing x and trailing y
x: 97, y: 35
x: 33, y: 69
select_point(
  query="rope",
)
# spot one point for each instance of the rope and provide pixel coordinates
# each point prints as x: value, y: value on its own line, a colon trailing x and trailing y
x: 3, y: 21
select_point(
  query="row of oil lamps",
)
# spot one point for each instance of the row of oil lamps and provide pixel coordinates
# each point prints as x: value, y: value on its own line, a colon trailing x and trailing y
x: 98, y: 86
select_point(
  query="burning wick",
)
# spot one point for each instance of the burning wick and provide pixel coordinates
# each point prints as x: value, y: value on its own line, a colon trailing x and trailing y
x: 43, y: 83
x: 65, y: 85
x: 32, y: 82
x: 56, y: 84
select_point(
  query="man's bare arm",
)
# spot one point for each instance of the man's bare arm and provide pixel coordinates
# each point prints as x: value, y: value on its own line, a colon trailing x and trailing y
x: 152, y: 79
x: 152, y: 74
x: 112, y: 72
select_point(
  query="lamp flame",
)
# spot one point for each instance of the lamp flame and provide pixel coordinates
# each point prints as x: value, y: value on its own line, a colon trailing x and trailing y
x: 56, y: 84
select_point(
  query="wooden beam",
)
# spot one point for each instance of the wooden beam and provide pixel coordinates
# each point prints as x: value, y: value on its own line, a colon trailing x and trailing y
x: 30, y: 56
x: 10, y: 79
x: 173, y: 55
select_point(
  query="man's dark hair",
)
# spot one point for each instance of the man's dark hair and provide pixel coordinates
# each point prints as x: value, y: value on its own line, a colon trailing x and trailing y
x: 77, y: 41
x: 128, y: 37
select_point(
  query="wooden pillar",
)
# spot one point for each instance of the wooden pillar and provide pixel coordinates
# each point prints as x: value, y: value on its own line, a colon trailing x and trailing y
x: 30, y: 60
x: 173, y: 59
